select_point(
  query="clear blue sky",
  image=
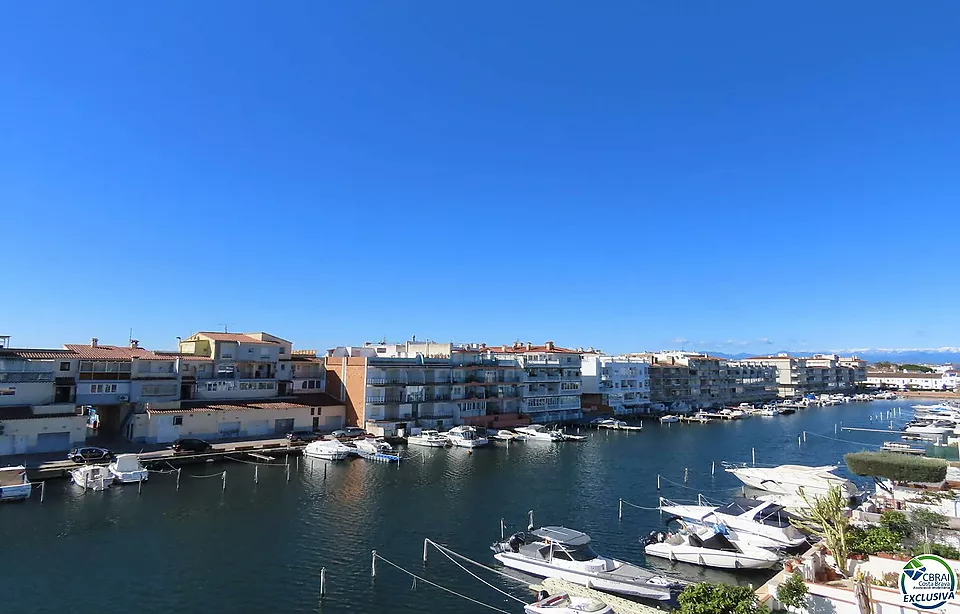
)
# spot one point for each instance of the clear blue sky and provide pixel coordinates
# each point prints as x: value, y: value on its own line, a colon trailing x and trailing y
x: 627, y: 175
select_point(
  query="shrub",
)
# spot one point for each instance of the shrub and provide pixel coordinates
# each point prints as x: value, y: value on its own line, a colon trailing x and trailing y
x: 897, y: 522
x: 706, y: 598
x: 897, y: 467
x: 922, y: 519
x: 873, y: 540
x: 793, y: 592
x: 947, y: 552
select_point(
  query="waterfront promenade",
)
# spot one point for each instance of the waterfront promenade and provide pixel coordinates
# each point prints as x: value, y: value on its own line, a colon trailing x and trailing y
x: 197, y: 542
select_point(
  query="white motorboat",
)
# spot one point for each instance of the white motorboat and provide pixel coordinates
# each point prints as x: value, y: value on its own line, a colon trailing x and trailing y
x: 14, y: 484
x: 702, y: 416
x: 566, y: 604
x: 938, y: 428
x: 669, y: 418
x: 559, y: 552
x: 327, y: 449
x: 505, y: 435
x: 538, y: 432
x: 748, y: 521
x: 465, y: 437
x: 708, y: 547
x: 94, y: 477
x: 789, y: 479
x: 429, y: 439
x: 375, y: 448
x: 126, y: 468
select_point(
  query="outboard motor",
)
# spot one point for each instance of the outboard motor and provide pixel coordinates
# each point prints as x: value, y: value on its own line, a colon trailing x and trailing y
x: 542, y: 594
x: 656, y: 537
x: 517, y: 540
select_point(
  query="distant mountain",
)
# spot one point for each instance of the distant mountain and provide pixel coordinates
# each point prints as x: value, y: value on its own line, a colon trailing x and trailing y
x: 929, y: 356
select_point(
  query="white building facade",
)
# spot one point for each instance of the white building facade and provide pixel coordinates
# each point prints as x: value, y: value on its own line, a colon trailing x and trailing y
x: 550, y: 380
x: 622, y: 383
x: 946, y: 381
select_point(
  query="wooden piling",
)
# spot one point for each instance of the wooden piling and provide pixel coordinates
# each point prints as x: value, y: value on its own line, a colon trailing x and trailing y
x: 373, y: 564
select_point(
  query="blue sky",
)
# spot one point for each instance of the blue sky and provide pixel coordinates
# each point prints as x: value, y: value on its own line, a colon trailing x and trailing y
x: 628, y: 175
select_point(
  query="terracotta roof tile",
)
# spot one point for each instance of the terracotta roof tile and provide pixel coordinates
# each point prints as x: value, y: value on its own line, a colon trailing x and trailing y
x: 237, y: 337
x: 523, y: 349
x: 112, y: 352
x: 37, y: 354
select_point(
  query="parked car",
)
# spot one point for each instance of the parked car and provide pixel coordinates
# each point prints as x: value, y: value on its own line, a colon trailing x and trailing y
x: 191, y: 445
x: 350, y: 431
x: 89, y: 454
x: 304, y: 436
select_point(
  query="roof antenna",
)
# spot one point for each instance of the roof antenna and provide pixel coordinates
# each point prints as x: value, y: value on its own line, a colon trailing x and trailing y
x: 130, y: 336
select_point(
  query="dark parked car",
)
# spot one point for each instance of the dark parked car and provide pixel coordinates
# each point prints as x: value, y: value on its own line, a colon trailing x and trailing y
x: 191, y: 445
x: 304, y: 436
x: 350, y: 431
x: 89, y: 454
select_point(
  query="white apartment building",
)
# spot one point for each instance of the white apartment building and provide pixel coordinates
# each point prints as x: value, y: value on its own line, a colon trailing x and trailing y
x: 550, y: 378
x: 904, y: 380
x: 622, y: 383
x: 821, y: 373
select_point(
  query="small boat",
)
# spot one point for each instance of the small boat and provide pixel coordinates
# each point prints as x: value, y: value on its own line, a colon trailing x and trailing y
x: 568, y: 437
x: 126, y: 468
x: 790, y: 479
x: 708, y: 547
x: 465, y: 437
x: 786, y: 410
x: 559, y: 552
x: 566, y: 604
x: 94, y: 477
x: 429, y: 439
x: 505, y: 435
x: 327, y: 449
x: 747, y: 521
x: 538, y: 432
x: 902, y: 448
x: 375, y: 448
x: 767, y: 411
x: 14, y: 484
x: 669, y: 418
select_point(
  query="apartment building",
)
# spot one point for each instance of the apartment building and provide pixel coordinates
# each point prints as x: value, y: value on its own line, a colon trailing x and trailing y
x: 687, y: 379
x: 550, y: 379
x: 904, y: 380
x: 234, y: 366
x: 38, y: 410
x: 821, y: 373
x: 615, y: 383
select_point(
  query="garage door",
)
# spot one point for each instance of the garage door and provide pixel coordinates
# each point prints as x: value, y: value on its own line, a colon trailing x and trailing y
x: 6, y: 445
x: 229, y: 429
x: 282, y: 426
x: 53, y: 442
x: 257, y: 428
x: 332, y: 423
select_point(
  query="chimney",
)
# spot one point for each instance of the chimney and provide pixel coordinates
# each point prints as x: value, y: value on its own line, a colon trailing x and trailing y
x: 549, y: 345
x: 134, y: 344
x: 529, y: 346
x: 93, y: 342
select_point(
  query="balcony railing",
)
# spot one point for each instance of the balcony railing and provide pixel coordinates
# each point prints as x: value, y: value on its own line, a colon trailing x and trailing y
x: 23, y: 377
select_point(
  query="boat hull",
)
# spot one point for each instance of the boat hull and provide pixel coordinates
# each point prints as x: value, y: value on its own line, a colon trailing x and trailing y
x: 16, y: 492
x: 720, y: 559
x: 602, y: 581
x: 130, y: 477
x: 427, y: 443
x: 459, y: 442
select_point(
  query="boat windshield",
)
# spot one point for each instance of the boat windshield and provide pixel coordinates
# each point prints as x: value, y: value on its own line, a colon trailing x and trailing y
x: 583, y: 553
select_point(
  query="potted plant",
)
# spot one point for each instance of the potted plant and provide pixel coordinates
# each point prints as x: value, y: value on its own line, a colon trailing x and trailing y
x: 792, y: 593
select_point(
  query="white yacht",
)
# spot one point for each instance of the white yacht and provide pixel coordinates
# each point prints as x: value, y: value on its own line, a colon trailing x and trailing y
x: 94, y: 477
x: 566, y: 604
x: 375, y: 448
x: 749, y: 521
x: 327, y: 449
x: 539, y: 432
x: 559, y: 552
x: 708, y: 547
x: 789, y: 479
x: 932, y: 429
x: 465, y: 437
x: 669, y: 418
x: 505, y: 435
x: 126, y: 468
x: 14, y: 484
x: 429, y: 439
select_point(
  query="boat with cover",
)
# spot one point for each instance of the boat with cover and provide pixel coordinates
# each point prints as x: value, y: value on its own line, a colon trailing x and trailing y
x: 327, y: 449
x: 429, y: 439
x: 669, y: 418
x: 563, y: 603
x: 14, y: 484
x: 748, y: 521
x: 708, y: 547
x: 375, y: 448
x: 789, y: 479
x: 126, y: 468
x: 94, y: 477
x: 559, y: 552
x: 465, y: 437
x: 538, y: 432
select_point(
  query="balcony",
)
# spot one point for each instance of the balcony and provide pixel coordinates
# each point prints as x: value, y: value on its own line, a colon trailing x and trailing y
x: 24, y: 377
x: 543, y: 361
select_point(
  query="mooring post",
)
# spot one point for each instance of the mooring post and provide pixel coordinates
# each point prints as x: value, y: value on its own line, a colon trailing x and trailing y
x: 223, y: 480
x: 620, y: 511
x: 298, y: 463
x: 43, y: 486
x: 324, y: 471
x: 139, y: 484
x: 288, y: 473
x: 256, y: 474
x: 713, y: 468
x: 753, y: 453
x: 834, y: 428
x: 658, y: 481
x: 373, y: 564
x: 686, y: 474
x: 503, y: 530
x: 425, y: 540
x: 799, y: 439
x: 323, y: 581
x: 804, y: 437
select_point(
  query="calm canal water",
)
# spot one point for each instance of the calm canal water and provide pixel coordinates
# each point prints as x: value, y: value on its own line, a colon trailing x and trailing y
x: 259, y: 547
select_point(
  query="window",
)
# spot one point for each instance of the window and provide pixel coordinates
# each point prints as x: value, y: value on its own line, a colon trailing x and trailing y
x: 311, y: 384
x: 64, y: 366
x: 177, y: 420
x: 283, y: 350
x: 381, y: 350
x: 303, y: 385
x: 8, y: 391
x: 283, y: 366
x: 311, y: 411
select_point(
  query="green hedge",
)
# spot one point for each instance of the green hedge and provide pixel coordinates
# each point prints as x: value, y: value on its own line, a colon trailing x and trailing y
x: 897, y: 467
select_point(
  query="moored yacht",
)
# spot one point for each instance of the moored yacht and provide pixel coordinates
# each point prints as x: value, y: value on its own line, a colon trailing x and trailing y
x: 708, y: 547
x: 669, y: 418
x: 14, y: 484
x: 559, y: 552
x: 327, y: 449
x: 538, y: 432
x: 749, y: 521
x: 465, y: 437
x: 566, y: 604
x: 94, y: 477
x: 790, y: 479
x: 429, y: 439
x: 126, y: 468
